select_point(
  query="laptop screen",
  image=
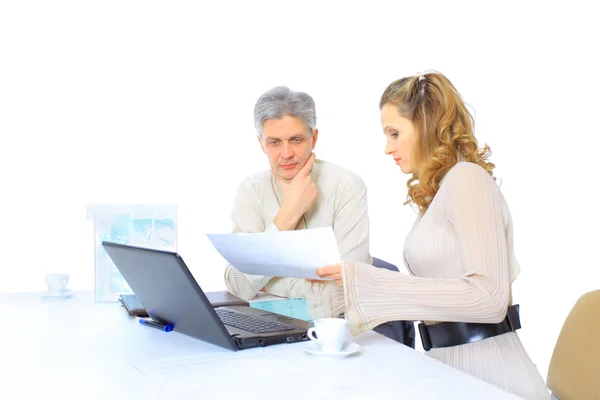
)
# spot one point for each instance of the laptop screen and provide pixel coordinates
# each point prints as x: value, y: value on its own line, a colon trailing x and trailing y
x: 168, y: 291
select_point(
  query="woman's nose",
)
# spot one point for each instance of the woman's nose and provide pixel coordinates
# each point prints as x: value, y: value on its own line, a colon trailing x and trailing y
x: 389, y: 149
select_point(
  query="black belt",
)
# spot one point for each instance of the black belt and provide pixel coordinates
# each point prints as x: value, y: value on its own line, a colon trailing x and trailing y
x: 446, y: 334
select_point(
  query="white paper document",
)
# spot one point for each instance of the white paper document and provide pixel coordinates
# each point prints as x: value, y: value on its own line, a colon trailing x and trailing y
x: 253, y: 374
x: 287, y: 253
x: 199, y: 372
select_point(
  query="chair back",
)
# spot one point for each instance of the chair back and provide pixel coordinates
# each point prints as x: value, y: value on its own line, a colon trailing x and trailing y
x: 574, y: 371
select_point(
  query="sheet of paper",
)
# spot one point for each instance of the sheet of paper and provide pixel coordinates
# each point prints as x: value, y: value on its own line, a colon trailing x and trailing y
x: 289, y: 253
x: 253, y: 374
x: 197, y: 372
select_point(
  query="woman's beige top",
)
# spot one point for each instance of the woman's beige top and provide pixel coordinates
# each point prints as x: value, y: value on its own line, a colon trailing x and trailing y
x: 341, y: 203
x: 460, y: 255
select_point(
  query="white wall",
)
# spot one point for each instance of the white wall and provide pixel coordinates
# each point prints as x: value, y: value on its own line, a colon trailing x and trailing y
x: 151, y: 102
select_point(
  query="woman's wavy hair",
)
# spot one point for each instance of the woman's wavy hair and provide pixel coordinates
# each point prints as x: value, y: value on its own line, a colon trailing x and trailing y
x: 444, y: 132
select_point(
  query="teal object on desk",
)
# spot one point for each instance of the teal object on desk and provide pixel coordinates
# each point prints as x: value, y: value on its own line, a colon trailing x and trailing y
x: 295, y: 308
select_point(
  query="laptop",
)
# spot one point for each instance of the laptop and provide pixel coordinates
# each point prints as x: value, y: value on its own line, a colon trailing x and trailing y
x: 170, y: 294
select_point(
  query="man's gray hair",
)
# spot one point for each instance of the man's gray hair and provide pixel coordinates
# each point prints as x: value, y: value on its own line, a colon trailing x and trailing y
x: 281, y: 101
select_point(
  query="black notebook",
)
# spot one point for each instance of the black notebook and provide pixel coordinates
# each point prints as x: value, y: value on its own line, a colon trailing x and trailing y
x: 132, y: 305
x: 217, y: 299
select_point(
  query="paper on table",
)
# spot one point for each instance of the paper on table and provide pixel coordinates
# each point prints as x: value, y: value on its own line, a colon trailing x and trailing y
x: 287, y: 253
x: 174, y: 374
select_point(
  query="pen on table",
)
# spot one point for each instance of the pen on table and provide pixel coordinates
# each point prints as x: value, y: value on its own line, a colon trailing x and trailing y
x: 154, y: 324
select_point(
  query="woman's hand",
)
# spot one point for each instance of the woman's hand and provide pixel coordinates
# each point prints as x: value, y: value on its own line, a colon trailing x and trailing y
x: 329, y: 272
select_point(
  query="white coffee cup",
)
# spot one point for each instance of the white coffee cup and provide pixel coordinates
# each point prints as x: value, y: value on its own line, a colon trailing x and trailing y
x: 329, y: 333
x: 57, y: 283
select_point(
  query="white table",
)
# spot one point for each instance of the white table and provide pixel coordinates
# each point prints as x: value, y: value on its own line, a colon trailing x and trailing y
x: 75, y: 349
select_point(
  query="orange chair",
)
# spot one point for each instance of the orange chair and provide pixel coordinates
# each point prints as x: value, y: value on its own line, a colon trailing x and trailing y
x: 574, y: 371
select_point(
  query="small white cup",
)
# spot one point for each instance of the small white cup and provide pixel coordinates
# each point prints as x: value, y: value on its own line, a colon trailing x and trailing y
x: 331, y: 333
x: 57, y: 283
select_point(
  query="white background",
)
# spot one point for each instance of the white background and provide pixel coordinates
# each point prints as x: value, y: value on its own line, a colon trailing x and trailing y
x: 151, y: 102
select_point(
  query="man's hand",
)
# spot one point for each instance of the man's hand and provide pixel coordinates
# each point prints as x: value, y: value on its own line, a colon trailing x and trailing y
x: 330, y: 272
x: 299, y: 194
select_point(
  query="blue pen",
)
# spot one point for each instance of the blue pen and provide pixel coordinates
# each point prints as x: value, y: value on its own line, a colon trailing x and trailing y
x: 154, y: 324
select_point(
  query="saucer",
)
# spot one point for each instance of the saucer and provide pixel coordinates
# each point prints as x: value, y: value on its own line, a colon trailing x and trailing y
x: 348, y: 349
x: 62, y: 295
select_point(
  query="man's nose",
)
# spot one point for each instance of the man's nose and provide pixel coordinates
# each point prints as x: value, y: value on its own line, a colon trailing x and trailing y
x: 286, y: 151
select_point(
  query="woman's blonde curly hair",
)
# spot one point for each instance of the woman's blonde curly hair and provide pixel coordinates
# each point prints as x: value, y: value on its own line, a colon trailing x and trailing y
x: 444, y: 132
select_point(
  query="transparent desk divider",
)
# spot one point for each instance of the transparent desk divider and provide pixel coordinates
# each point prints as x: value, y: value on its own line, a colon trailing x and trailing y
x: 151, y: 226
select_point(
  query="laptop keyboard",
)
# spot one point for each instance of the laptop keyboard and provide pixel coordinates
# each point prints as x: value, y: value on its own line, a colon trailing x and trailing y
x: 250, y: 323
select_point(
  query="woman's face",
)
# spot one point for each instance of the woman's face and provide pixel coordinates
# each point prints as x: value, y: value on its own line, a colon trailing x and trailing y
x: 400, y: 134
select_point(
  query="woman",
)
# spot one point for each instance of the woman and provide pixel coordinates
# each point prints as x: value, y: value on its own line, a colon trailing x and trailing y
x: 459, y: 251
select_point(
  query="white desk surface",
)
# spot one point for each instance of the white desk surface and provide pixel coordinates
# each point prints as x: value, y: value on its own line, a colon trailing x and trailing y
x: 76, y: 349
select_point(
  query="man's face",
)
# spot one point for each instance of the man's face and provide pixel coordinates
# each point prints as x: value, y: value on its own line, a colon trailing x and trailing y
x: 288, y: 144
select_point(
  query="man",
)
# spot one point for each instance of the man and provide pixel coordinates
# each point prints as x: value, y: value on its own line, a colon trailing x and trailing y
x: 298, y: 192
